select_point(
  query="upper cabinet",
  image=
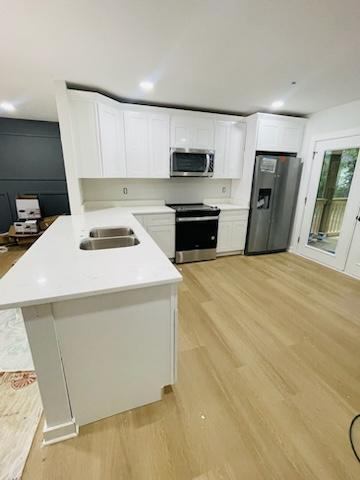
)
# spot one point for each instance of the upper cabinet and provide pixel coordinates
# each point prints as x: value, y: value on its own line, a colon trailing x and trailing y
x: 280, y: 134
x: 147, y: 144
x: 98, y: 139
x: 111, y: 135
x: 229, y: 149
x: 192, y: 132
x: 86, y: 137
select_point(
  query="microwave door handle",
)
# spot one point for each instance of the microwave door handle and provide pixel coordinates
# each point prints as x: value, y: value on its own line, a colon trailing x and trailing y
x: 207, y: 163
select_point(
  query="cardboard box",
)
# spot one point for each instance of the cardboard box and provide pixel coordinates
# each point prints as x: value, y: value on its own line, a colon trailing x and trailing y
x: 26, y: 226
x: 47, y: 221
x: 27, y: 206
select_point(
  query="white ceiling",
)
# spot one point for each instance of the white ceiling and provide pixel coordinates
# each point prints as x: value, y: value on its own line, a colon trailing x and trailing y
x: 235, y: 55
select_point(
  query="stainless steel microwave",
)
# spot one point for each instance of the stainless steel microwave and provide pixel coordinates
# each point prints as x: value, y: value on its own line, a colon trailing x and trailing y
x: 191, y: 162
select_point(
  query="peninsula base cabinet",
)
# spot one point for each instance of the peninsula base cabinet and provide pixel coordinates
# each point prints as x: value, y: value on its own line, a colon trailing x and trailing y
x: 101, y: 355
x: 161, y: 227
x: 232, y: 232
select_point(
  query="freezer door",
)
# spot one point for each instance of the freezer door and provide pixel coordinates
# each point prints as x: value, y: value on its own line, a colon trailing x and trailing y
x: 262, y: 198
x: 288, y: 172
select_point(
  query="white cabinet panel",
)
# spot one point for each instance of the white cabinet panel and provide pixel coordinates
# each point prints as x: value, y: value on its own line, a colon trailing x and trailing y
x: 221, y: 135
x: 161, y: 227
x: 164, y: 236
x: 224, y: 237
x: 137, y: 144
x: 276, y: 134
x: 236, y: 147
x: 86, y: 137
x: 111, y: 128
x: 229, y: 149
x: 232, y: 231
x: 159, y: 145
x: 192, y: 132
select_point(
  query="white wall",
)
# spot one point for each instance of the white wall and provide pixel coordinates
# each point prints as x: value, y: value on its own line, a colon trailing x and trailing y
x: 183, y: 190
x: 343, y: 117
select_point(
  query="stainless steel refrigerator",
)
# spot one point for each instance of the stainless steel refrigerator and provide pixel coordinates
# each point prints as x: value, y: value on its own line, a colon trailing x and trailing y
x: 273, y: 200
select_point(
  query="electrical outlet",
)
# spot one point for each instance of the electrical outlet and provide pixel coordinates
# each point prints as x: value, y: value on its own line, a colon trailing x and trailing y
x: 223, y: 189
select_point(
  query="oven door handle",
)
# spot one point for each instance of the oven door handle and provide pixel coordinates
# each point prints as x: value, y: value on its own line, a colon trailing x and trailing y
x: 196, y: 219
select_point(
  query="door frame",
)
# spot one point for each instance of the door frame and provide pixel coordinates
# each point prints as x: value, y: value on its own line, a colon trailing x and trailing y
x: 312, y: 253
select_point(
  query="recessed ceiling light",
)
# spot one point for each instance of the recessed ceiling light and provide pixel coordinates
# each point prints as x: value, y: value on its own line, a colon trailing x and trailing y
x: 277, y: 104
x: 7, y: 106
x: 146, y: 85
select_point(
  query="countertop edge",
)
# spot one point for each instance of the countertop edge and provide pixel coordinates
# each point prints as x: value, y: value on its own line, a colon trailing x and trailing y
x: 83, y: 295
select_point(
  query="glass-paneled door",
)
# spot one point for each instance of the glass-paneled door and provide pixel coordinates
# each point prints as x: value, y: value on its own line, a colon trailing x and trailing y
x: 332, y: 202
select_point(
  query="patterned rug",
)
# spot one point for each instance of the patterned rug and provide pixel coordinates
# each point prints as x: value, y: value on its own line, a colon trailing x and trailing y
x: 14, y: 347
x: 20, y: 404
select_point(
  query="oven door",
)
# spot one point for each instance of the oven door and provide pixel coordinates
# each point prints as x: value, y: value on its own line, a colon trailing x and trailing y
x: 191, y: 162
x: 196, y: 238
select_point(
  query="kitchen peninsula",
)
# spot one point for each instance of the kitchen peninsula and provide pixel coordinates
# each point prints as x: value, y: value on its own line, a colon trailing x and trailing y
x: 101, y: 323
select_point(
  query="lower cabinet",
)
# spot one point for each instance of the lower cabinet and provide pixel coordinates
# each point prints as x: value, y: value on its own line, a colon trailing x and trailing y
x: 232, y: 231
x: 161, y: 228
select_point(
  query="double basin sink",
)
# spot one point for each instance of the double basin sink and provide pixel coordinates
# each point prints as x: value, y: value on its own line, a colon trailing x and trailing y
x: 109, y: 237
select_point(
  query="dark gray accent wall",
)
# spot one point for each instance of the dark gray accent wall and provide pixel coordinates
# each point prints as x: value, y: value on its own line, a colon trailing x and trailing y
x: 31, y: 162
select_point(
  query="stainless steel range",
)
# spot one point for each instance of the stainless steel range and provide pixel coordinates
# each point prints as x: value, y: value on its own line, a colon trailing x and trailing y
x: 196, y: 232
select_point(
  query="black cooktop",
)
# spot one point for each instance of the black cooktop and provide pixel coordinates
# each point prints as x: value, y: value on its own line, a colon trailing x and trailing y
x: 194, y: 208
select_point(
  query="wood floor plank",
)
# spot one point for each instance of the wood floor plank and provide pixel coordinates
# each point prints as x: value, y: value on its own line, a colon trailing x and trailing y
x: 269, y: 379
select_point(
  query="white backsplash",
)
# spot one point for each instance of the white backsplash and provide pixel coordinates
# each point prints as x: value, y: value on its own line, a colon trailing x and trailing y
x: 181, y: 190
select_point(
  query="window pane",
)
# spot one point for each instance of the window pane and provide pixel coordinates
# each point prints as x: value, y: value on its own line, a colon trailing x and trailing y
x: 333, y: 191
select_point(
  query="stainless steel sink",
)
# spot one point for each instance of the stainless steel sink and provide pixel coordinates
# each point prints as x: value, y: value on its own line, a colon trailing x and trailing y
x: 109, y: 242
x: 103, y: 232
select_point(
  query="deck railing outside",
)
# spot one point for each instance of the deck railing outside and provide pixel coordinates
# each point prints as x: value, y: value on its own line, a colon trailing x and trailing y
x: 328, y: 216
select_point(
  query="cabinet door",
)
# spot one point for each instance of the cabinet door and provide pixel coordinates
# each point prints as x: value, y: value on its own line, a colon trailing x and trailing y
x: 86, y: 138
x: 221, y: 135
x: 192, y: 132
x: 111, y: 128
x: 164, y: 236
x: 238, y: 235
x: 137, y: 144
x: 181, y: 132
x: 159, y: 125
x: 203, y: 133
x: 224, y: 237
x: 280, y: 135
x: 229, y: 149
x: 235, y: 149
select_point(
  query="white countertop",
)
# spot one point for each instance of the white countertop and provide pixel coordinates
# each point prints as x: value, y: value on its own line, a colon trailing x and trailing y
x: 55, y: 268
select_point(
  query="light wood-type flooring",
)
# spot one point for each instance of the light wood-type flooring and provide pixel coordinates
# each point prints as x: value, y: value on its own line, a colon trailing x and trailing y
x: 268, y: 381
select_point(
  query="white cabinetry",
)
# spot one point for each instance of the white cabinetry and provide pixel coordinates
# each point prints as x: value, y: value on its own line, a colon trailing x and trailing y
x: 161, y: 227
x: 192, y: 132
x: 232, y: 231
x: 229, y: 149
x: 111, y: 134
x: 280, y: 135
x: 98, y: 139
x: 147, y: 145
x: 86, y: 137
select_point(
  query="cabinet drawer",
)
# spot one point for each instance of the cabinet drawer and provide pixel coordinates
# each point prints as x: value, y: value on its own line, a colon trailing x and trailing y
x: 233, y: 215
x: 160, y: 219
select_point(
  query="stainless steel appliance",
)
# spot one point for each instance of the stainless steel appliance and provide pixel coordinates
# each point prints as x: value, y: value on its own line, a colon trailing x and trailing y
x: 191, y: 162
x: 273, y: 198
x: 196, y: 230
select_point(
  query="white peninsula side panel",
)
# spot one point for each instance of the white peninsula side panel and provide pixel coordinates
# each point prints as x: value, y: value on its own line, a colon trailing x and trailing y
x: 118, y: 350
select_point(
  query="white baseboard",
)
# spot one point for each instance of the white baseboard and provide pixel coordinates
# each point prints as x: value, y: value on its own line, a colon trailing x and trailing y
x: 60, y: 432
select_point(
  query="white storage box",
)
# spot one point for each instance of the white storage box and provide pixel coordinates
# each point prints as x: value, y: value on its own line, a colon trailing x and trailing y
x: 28, y: 208
x: 26, y: 226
